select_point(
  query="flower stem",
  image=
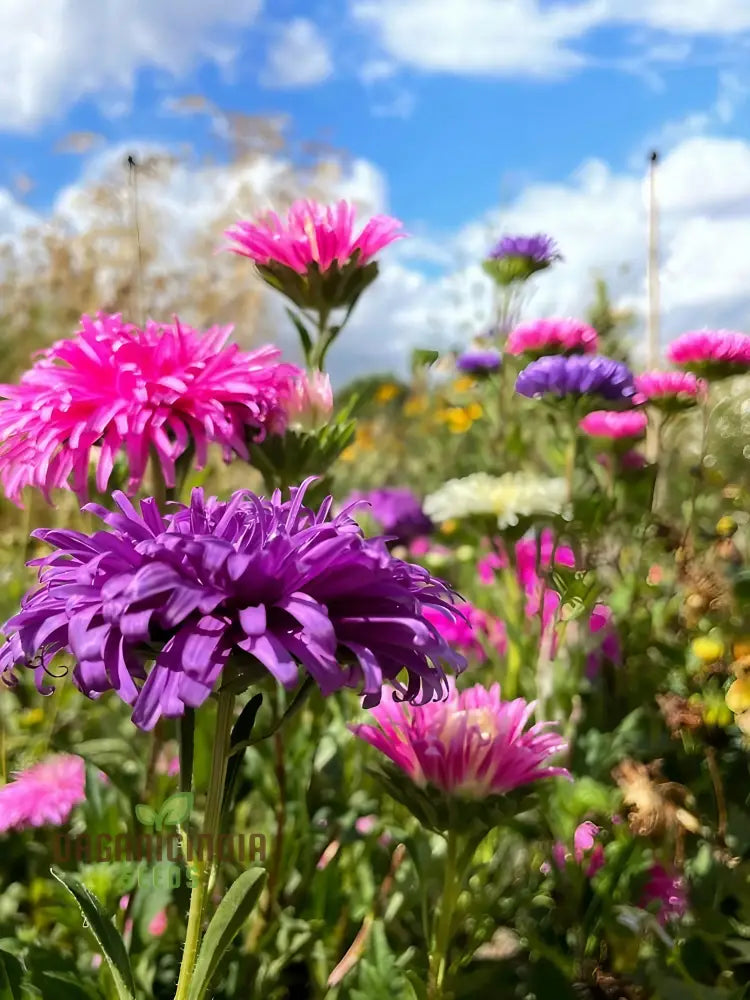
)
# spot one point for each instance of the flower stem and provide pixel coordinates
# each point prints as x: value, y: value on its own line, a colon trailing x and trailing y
x: 441, y: 941
x: 203, y: 866
x: 570, y: 462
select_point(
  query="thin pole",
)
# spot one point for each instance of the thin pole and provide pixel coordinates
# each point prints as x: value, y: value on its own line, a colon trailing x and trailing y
x: 652, y: 273
x: 652, y: 278
x: 137, y: 306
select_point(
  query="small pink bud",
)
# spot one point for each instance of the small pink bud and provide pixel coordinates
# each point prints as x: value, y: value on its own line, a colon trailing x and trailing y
x: 365, y: 824
x: 124, y: 902
x: 158, y: 924
x: 328, y: 855
x: 311, y: 402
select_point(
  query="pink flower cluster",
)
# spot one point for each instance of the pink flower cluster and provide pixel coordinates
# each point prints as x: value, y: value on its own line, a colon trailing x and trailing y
x: 45, y: 793
x: 711, y: 348
x: 472, y: 633
x: 115, y: 388
x: 553, y: 336
x: 544, y: 602
x: 471, y: 745
x: 662, y: 387
x: 615, y: 425
x: 312, y: 234
x: 667, y: 889
x: 585, y: 848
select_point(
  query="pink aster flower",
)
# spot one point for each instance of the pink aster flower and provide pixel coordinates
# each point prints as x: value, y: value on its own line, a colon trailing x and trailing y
x: 313, y: 234
x: 471, y: 745
x: 713, y: 352
x: 668, y: 890
x: 116, y: 389
x: 608, y: 424
x: 43, y: 794
x: 670, y: 389
x: 553, y: 336
x: 472, y: 633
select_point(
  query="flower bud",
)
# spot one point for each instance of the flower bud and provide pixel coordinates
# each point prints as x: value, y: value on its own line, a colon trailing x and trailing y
x: 311, y: 403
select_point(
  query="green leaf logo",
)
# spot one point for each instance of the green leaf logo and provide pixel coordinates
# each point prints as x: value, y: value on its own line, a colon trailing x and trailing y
x: 176, y: 810
x: 145, y: 815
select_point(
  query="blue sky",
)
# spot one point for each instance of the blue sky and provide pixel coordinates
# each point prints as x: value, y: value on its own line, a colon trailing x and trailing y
x: 458, y: 106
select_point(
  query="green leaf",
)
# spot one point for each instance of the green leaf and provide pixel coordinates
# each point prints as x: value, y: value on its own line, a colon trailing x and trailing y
x: 226, y: 924
x: 145, y: 814
x: 304, y: 335
x: 241, y: 733
x: 11, y: 975
x: 421, y: 358
x: 176, y: 810
x: 105, y: 932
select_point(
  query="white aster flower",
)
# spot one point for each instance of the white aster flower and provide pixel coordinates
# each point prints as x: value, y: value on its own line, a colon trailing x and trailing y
x: 508, y: 497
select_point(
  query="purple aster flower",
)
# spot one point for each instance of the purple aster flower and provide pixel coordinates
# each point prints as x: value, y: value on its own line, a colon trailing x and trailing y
x: 479, y: 362
x: 577, y: 375
x: 398, y: 512
x: 228, y: 586
x: 540, y: 249
x: 516, y: 258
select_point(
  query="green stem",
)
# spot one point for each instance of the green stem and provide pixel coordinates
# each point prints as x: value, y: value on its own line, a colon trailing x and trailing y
x: 570, y: 461
x: 439, y: 954
x: 203, y: 867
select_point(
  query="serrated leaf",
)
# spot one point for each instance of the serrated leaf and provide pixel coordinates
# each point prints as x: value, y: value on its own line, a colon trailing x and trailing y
x: 233, y: 910
x: 105, y: 932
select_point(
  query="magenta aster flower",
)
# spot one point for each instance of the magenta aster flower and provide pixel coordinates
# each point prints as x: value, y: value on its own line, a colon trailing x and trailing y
x: 228, y: 586
x: 116, y: 389
x: 670, y: 390
x: 471, y: 633
x: 666, y: 889
x: 44, y: 794
x: 313, y: 235
x: 471, y: 745
x: 577, y: 376
x: 614, y: 425
x: 714, y: 353
x: 553, y: 336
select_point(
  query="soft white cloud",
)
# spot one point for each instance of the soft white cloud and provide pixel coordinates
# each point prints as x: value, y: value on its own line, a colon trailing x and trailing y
x: 598, y: 216
x: 533, y: 38
x: 54, y: 52
x: 479, y: 36
x: 298, y: 56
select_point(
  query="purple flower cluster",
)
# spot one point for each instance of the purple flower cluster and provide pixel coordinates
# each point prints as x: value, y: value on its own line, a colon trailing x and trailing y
x: 235, y: 586
x: 540, y: 249
x: 479, y: 362
x: 398, y: 512
x: 577, y: 375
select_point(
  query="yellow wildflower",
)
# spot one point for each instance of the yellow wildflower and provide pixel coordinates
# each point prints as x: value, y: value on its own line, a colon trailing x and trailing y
x: 448, y: 527
x: 464, y: 384
x: 708, y: 650
x: 738, y: 696
x: 457, y: 419
x: 474, y: 410
x: 415, y: 406
x: 386, y: 392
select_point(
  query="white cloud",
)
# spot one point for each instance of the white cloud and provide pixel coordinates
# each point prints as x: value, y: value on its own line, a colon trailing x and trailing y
x: 598, y: 216
x: 298, y: 56
x: 57, y: 51
x: 533, y: 38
